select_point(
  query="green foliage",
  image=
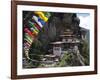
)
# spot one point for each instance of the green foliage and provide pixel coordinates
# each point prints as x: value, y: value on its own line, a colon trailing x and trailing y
x: 65, y: 60
x: 85, y: 52
x: 35, y: 52
x: 41, y: 65
x: 35, y: 47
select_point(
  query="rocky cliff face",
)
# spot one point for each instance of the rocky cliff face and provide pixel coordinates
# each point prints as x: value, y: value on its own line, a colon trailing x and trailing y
x: 56, y: 25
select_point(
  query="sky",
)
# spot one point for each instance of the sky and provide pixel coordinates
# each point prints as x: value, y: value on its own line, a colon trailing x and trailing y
x: 84, y: 20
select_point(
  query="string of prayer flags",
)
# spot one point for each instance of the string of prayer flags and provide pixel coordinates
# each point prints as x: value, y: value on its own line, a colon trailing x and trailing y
x: 33, y: 27
x: 34, y: 31
x: 26, y: 30
x: 29, y: 41
x: 41, y: 15
x: 27, y: 44
x: 37, y: 21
